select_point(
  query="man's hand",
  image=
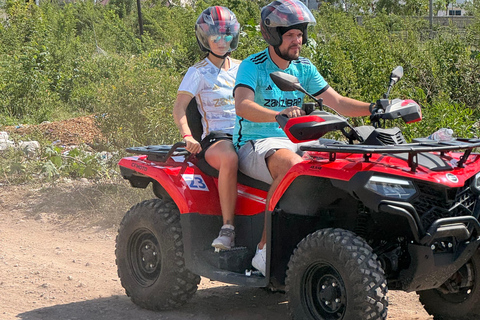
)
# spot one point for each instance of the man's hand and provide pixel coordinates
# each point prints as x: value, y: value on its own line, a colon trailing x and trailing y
x: 193, y: 146
x: 293, y: 112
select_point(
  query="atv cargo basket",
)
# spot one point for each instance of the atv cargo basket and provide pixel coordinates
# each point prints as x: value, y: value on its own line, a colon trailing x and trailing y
x: 412, y: 149
x: 160, y: 153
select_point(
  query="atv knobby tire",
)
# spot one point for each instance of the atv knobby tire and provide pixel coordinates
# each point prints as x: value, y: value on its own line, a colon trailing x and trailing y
x: 462, y: 305
x: 333, y: 274
x: 149, y: 256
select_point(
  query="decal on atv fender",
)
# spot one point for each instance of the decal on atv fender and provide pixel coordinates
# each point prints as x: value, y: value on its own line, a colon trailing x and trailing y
x: 195, y: 182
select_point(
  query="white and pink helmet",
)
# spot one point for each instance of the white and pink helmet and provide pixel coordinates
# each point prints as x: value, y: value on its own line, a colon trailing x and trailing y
x: 217, y: 21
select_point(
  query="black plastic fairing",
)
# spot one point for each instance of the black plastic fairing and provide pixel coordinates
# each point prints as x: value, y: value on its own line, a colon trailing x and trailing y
x: 430, y: 270
x: 428, y: 160
x: 311, y: 127
x: 380, y: 136
x: 198, y: 232
x: 136, y: 180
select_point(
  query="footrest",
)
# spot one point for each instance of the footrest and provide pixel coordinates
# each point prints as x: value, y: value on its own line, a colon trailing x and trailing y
x: 237, y: 259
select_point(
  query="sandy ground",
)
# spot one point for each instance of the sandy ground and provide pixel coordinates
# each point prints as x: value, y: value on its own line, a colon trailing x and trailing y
x: 57, y: 263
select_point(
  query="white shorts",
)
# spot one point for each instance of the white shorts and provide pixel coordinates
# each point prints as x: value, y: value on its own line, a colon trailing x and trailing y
x: 253, y: 154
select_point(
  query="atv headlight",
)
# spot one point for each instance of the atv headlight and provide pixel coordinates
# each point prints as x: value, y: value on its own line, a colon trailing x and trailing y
x: 476, y: 183
x: 391, y: 187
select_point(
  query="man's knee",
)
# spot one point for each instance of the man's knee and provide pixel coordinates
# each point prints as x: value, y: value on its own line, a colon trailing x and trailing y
x: 281, y: 161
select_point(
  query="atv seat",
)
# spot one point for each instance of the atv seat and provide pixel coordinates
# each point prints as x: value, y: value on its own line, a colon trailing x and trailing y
x: 194, y: 119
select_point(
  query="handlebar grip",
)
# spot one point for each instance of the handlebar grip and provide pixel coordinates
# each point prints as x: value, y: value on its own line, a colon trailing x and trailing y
x: 282, y: 120
x: 383, y: 103
x: 308, y: 107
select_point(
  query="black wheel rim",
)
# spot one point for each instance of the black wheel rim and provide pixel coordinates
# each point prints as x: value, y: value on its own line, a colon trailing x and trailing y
x: 457, y: 297
x: 144, y: 257
x: 463, y: 293
x: 324, y: 292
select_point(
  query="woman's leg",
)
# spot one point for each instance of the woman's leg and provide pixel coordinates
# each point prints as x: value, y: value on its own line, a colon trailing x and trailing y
x: 222, y: 156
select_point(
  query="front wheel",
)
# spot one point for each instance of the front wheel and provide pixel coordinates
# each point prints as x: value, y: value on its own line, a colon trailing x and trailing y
x: 333, y: 274
x: 149, y: 256
x: 459, y: 297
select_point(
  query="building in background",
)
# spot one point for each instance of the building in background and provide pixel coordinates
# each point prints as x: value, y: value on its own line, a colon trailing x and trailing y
x: 455, y: 8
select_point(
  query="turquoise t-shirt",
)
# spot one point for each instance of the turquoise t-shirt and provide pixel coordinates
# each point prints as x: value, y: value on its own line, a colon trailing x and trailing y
x: 254, y: 73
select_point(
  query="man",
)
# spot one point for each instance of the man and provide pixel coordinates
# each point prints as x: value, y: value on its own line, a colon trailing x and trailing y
x: 264, y: 151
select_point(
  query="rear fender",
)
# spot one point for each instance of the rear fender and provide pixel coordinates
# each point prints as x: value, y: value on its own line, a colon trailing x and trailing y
x: 185, y: 184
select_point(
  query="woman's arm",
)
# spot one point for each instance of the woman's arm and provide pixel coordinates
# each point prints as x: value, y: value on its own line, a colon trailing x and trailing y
x: 180, y: 118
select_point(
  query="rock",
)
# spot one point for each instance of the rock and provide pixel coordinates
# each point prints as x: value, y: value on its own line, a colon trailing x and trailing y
x: 30, y: 148
x: 4, y: 142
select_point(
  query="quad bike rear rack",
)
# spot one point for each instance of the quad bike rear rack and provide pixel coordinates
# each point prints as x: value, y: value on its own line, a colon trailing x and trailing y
x: 420, y: 145
x: 160, y: 153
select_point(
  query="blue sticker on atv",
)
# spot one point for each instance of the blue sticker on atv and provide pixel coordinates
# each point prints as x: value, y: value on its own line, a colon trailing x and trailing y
x: 195, y: 182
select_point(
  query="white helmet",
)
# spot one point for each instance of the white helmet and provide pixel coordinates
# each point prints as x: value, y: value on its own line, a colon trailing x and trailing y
x: 218, y: 21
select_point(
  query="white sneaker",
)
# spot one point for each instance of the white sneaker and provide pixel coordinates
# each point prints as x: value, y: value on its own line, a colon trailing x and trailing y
x: 225, y: 239
x: 259, y: 261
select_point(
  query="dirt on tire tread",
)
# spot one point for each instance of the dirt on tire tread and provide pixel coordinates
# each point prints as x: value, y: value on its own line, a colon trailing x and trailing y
x: 175, y: 284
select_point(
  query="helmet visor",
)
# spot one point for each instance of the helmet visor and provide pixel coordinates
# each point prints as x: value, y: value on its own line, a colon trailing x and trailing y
x: 216, y: 38
x: 219, y: 28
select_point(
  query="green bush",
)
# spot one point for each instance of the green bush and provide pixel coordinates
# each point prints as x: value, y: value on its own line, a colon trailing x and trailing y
x: 52, y: 163
x: 137, y: 108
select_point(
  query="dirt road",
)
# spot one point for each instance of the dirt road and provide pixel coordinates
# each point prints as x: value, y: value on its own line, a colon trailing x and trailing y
x: 57, y: 263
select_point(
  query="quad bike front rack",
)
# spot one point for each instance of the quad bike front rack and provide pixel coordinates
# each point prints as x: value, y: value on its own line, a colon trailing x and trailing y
x: 412, y: 149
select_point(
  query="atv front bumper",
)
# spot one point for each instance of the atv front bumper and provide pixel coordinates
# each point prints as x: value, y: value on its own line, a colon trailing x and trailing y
x: 437, y: 253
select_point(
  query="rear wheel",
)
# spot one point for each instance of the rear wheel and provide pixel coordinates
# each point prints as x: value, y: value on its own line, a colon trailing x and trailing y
x: 459, y: 297
x: 334, y: 274
x: 149, y: 256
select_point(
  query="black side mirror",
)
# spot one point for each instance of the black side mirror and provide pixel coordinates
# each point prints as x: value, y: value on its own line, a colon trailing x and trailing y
x: 286, y: 82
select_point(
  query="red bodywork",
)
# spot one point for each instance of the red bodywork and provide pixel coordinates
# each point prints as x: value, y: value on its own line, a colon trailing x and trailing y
x: 194, y: 191
x: 191, y: 189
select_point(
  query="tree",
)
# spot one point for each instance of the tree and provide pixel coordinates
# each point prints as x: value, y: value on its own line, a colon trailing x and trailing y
x: 406, y: 8
x: 353, y: 6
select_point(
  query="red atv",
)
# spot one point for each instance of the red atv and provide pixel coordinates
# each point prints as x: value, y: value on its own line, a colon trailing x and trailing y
x: 350, y: 221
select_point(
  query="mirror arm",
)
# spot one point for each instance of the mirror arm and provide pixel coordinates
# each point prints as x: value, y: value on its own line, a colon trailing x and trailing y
x: 385, y: 95
x: 318, y: 101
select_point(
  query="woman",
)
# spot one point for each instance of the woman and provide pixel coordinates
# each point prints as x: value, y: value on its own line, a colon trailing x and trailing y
x: 211, y: 82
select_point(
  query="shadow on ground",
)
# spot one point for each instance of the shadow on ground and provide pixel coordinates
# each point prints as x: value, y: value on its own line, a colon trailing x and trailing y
x: 219, y: 303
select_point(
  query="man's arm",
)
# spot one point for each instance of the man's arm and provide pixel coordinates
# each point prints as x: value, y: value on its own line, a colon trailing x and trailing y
x: 247, y: 108
x: 343, y: 105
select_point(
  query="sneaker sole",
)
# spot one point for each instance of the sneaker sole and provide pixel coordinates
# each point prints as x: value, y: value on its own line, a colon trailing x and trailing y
x: 220, y: 246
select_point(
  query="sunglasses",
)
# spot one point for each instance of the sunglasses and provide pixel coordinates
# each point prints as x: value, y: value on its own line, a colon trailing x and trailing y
x: 217, y: 38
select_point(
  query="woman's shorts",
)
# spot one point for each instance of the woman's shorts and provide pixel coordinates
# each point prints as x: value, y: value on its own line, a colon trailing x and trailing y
x: 210, y: 139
